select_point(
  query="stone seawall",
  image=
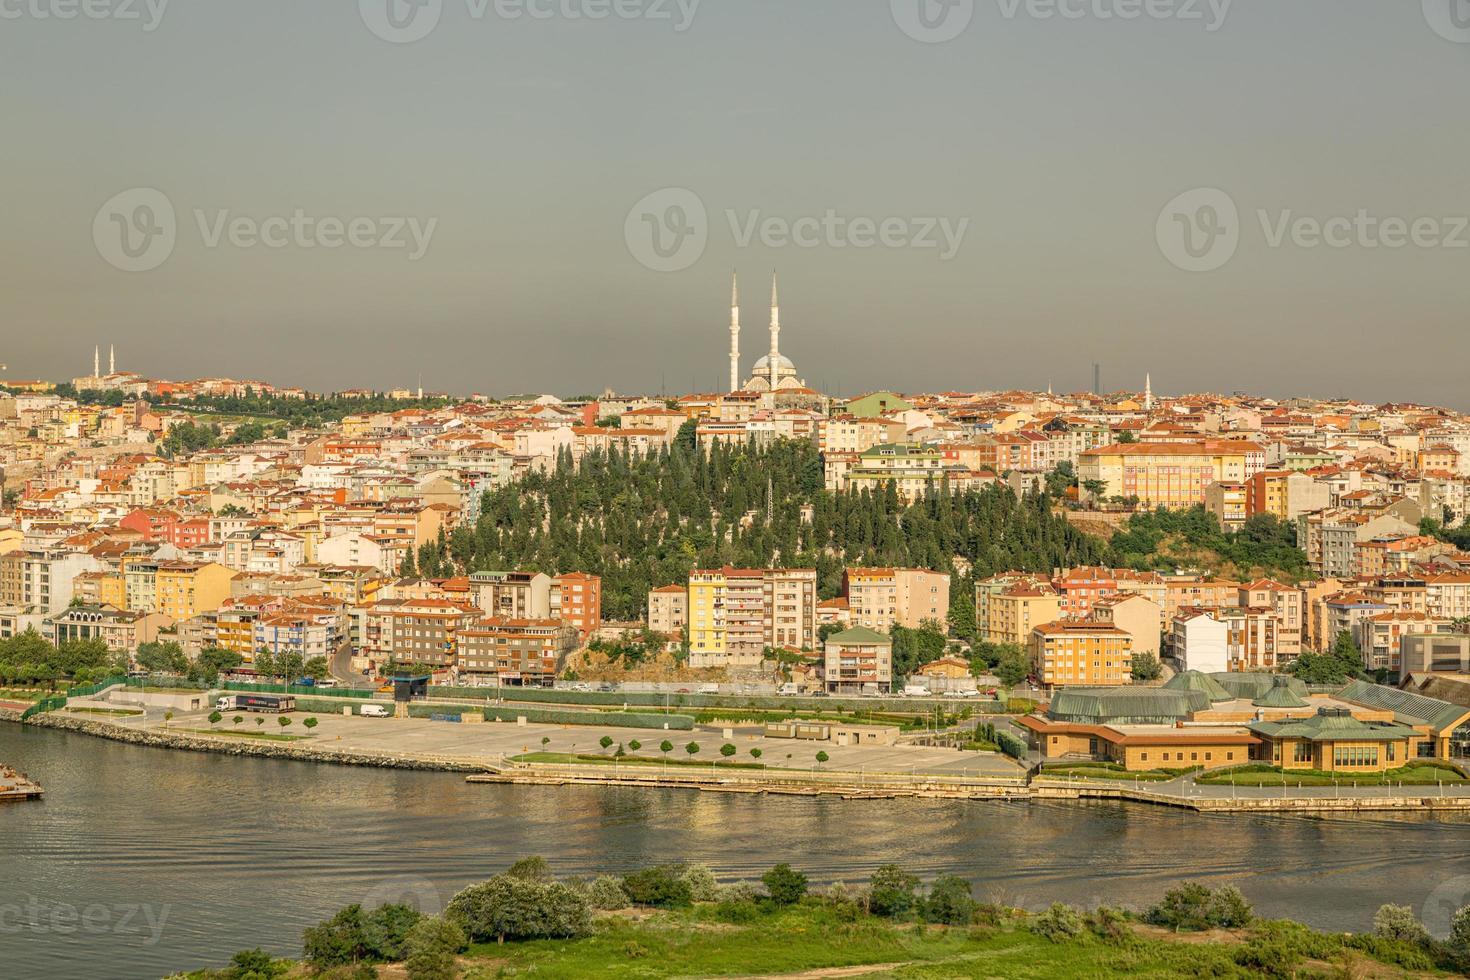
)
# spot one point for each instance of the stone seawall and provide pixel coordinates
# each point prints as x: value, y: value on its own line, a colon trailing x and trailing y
x: 10, y: 714
x: 226, y: 745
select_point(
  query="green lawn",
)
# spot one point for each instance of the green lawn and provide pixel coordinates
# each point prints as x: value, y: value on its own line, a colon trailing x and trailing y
x: 1084, y: 770
x: 259, y: 735
x: 1261, y: 775
x: 118, y: 712
x: 694, y: 944
x: 22, y: 694
x: 568, y: 759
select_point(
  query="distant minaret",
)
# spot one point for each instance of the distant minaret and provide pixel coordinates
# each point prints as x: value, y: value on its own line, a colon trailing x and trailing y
x: 734, y: 331
x: 421, y: 386
x: 97, y: 361
x: 1148, y: 393
x: 111, y: 359
x: 775, y: 334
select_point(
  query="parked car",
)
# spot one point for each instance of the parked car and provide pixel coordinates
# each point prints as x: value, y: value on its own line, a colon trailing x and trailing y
x: 709, y: 689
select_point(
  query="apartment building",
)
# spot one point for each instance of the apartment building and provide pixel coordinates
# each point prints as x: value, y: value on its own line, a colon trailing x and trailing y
x: 498, y: 652
x: 858, y: 661
x: 1289, y: 606
x: 1286, y: 494
x: 1169, y: 474
x: 1072, y: 652
x: 1015, y: 612
x: 668, y: 609
x: 881, y: 598
x: 1380, y: 637
x: 43, y: 580
x: 1227, y: 501
x: 736, y: 614
x: 122, y: 631
x: 1134, y: 614
x: 576, y: 599
x: 513, y: 595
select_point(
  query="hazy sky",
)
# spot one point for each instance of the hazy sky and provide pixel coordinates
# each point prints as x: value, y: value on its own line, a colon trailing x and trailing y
x: 524, y: 143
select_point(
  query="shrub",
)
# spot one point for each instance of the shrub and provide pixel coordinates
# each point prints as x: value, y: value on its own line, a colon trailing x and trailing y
x: 1060, y: 923
x: 507, y: 907
x: 737, y: 913
x: 1229, y: 909
x: 1194, y: 908
x: 255, y: 964
x: 784, y: 884
x: 1110, y: 924
x: 661, y: 887
x: 1460, y: 929
x: 385, y: 931
x: 891, y: 892
x: 1398, y: 922
x: 531, y: 869
x: 431, y: 947
x: 606, y: 893
x: 1269, y: 957
x: 737, y: 891
x: 951, y: 901
x: 700, y: 881
x: 336, y: 942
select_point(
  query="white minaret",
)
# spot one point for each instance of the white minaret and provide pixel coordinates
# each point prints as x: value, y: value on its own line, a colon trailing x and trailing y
x: 1148, y: 393
x: 734, y: 331
x: 97, y: 361
x: 111, y: 359
x: 775, y: 334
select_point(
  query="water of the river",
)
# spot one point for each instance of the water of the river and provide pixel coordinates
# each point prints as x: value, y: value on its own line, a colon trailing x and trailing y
x: 141, y: 862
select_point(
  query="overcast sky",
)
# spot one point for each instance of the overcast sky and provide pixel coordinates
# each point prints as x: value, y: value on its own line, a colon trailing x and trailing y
x: 520, y: 148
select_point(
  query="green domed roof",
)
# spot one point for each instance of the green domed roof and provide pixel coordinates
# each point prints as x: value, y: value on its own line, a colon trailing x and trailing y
x: 1193, y: 680
x: 1280, y: 696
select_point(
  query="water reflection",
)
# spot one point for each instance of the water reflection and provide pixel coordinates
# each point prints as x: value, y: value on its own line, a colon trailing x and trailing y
x: 248, y: 852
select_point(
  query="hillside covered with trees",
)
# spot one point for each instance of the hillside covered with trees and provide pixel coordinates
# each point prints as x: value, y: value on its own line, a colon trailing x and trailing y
x: 645, y: 522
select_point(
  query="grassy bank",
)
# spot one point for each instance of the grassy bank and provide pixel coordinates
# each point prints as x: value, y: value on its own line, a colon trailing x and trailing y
x: 1428, y: 774
x: 677, y: 920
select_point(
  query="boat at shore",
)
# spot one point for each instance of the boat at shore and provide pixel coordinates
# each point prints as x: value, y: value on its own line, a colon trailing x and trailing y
x: 16, y: 785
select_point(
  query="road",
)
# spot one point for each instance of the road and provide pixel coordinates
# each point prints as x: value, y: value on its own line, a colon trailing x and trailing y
x: 340, y: 666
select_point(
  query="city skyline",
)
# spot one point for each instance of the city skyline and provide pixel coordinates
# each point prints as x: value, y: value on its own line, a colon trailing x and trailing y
x: 511, y: 158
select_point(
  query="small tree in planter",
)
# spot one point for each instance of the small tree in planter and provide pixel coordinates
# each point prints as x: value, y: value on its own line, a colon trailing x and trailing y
x: 310, y: 723
x: 727, y: 750
x: 215, y: 718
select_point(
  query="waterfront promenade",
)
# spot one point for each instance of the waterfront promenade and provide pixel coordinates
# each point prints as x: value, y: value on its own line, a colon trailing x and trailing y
x: 547, y: 755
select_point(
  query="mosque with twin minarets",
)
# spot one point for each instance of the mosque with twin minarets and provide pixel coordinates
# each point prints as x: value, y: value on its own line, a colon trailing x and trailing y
x: 773, y: 372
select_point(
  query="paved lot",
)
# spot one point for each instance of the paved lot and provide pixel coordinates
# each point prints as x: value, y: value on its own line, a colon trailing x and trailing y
x: 491, y: 740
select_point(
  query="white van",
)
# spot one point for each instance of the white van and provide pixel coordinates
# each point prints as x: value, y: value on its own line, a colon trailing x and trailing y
x: 375, y: 711
x: 916, y: 691
x: 709, y: 689
x: 788, y: 691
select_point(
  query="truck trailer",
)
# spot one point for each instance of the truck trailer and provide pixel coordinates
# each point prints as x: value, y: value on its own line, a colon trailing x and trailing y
x: 264, y: 703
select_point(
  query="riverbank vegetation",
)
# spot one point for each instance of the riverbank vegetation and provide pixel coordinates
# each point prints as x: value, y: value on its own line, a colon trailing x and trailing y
x: 678, y: 921
x: 1426, y: 773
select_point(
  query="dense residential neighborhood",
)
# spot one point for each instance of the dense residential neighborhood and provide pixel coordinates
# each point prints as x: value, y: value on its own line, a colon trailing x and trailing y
x: 362, y: 533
